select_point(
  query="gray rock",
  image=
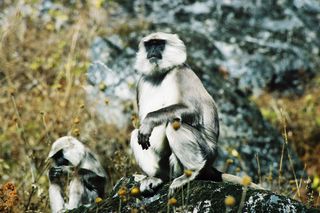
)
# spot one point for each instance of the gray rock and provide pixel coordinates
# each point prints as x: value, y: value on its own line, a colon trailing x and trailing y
x: 199, y: 196
x: 261, y: 45
x: 112, y: 69
x: 245, y: 135
x: 273, y: 44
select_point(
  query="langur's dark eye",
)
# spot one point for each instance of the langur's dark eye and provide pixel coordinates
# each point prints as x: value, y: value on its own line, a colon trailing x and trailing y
x: 155, y: 43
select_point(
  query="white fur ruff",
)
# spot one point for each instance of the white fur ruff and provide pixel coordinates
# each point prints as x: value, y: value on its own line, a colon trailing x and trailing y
x: 153, y: 98
x: 174, y: 53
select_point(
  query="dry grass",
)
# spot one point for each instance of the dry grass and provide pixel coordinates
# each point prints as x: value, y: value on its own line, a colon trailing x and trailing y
x: 299, y: 119
x: 42, y: 75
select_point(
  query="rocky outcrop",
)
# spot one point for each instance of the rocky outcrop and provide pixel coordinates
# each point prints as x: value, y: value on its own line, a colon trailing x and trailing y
x: 237, y: 48
x: 245, y: 135
x: 198, y: 196
x: 261, y: 44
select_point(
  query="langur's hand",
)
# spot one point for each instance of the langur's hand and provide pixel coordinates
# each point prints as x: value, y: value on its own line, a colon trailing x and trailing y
x: 57, y: 172
x: 144, y: 134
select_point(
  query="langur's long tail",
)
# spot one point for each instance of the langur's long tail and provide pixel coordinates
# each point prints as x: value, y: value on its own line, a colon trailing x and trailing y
x: 215, y: 175
x: 237, y: 180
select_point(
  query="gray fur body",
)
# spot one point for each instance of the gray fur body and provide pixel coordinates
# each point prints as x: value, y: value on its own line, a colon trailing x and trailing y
x: 76, y: 168
x: 169, y: 91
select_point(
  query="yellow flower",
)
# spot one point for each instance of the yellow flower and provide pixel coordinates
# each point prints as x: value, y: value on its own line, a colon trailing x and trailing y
x: 122, y: 191
x: 172, y: 201
x: 246, y: 180
x: 292, y: 182
x: 229, y: 201
x: 176, y: 124
x: 315, y: 182
x: 229, y: 161
x: 188, y: 172
x: 98, y: 199
x: 235, y: 153
x: 106, y: 101
x: 11, y: 91
x: 102, y: 87
x: 135, y: 191
x: 76, y: 120
x: 76, y: 132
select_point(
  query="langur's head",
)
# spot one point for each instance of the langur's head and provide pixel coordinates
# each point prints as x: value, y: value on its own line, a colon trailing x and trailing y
x: 67, y: 150
x: 159, y: 52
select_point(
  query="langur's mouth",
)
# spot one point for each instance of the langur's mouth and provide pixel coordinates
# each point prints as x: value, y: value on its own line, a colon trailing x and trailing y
x: 154, y: 60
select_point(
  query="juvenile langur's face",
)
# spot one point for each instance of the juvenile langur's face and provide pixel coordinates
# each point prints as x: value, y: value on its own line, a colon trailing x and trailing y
x: 159, y: 52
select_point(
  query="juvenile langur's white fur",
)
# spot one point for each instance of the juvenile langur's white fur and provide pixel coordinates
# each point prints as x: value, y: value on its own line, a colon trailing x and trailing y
x: 169, y: 91
x: 74, y: 165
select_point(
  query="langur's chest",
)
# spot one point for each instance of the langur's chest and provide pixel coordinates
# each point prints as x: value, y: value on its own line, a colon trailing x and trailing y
x: 153, y: 97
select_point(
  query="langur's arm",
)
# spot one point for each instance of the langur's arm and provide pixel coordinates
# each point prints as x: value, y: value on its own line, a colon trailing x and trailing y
x: 168, y: 114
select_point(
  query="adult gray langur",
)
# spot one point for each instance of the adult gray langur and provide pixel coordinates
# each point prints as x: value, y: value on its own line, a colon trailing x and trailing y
x: 76, y: 168
x: 169, y: 92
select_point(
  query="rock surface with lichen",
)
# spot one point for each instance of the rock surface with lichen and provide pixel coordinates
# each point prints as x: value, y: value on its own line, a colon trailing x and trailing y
x: 198, y: 196
x: 237, y: 49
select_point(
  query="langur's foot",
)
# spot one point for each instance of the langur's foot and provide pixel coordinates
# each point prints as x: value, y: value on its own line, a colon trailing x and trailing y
x: 148, y: 185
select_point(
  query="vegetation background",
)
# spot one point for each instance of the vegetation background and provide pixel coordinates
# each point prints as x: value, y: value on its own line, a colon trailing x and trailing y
x: 43, y: 63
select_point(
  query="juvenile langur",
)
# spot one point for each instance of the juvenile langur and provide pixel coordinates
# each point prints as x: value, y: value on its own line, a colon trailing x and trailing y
x: 74, y: 167
x: 179, y: 121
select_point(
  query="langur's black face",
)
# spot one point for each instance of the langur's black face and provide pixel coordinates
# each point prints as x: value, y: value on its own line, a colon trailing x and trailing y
x: 60, y: 160
x: 158, y: 52
x: 154, y: 48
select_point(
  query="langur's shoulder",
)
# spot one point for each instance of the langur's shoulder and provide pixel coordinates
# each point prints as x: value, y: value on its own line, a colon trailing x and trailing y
x: 184, y: 73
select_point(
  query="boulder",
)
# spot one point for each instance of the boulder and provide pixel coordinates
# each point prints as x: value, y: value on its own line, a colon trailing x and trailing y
x: 261, y: 44
x: 245, y: 135
x: 236, y: 48
x: 196, y: 196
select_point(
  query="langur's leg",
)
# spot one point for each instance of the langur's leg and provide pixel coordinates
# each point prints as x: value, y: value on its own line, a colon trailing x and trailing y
x: 149, y: 161
x: 56, y: 174
x: 176, y: 166
x: 56, y: 198
x: 75, y: 193
x: 191, y: 150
